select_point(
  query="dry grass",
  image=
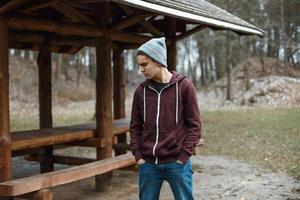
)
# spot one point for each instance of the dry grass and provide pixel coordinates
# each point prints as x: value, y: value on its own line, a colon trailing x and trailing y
x: 261, y: 136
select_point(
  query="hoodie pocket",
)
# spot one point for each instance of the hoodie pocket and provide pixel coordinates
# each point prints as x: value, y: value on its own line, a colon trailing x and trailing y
x: 147, y: 142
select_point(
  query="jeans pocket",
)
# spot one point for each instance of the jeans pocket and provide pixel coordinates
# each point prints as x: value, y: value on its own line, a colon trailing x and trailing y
x: 141, y: 165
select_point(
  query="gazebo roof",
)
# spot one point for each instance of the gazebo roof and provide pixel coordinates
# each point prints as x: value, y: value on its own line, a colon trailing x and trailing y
x: 73, y: 25
x: 199, y: 11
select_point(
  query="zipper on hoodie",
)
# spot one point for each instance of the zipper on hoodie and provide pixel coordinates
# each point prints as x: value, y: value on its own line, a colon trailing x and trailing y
x: 157, y: 121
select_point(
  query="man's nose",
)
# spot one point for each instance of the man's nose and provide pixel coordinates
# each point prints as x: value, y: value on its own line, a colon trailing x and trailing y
x: 142, y: 69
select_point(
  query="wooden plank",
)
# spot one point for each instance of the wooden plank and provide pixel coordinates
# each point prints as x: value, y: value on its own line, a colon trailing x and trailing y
x: 51, y: 179
x: 5, y: 136
x: 59, y: 135
x: 39, y: 138
x: 10, y: 6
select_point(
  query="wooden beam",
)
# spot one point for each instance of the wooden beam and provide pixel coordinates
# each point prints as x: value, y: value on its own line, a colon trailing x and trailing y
x: 170, y: 24
x: 23, y: 152
x: 39, y: 5
x: 151, y: 28
x: 91, y: 142
x: 10, y: 6
x: 83, y: 7
x: 65, y: 160
x: 45, y: 100
x: 145, y: 24
x: 190, y: 32
x: 128, y: 46
x: 28, y: 23
x: 77, y: 41
x: 38, y: 24
x: 129, y: 37
x: 37, y: 47
x: 72, y: 13
x: 129, y: 21
x: 71, y: 160
x: 51, y: 179
x: 5, y: 135
x: 122, y: 147
x: 38, y: 38
x: 119, y: 92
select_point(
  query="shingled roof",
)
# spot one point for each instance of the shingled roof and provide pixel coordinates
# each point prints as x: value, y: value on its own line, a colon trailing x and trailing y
x: 75, y: 24
x: 199, y: 11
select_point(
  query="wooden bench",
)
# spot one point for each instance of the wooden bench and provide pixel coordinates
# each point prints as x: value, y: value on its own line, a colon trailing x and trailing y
x: 43, y: 181
x: 50, y: 136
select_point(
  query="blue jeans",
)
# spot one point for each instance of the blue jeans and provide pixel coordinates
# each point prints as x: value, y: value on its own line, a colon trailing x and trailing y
x: 179, y: 176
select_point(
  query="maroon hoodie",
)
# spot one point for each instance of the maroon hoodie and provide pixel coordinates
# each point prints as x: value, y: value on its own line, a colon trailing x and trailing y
x: 165, y: 126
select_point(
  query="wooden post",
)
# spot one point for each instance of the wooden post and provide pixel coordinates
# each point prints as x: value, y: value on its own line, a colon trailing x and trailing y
x: 119, y: 92
x: 5, y: 137
x: 45, y: 101
x: 104, y: 107
x: 170, y: 33
x: 104, y: 94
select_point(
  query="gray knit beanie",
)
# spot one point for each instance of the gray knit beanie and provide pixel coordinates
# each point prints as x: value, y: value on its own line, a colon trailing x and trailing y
x: 155, y: 49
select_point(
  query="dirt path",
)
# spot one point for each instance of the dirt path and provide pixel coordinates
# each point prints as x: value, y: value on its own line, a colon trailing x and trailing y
x: 215, y: 177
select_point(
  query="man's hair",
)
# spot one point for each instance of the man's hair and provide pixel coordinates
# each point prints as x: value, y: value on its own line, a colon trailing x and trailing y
x: 141, y: 53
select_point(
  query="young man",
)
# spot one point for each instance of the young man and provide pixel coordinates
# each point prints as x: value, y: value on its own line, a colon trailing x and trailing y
x: 165, y: 125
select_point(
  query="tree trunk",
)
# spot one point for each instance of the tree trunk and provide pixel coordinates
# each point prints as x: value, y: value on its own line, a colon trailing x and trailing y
x: 228, y: 67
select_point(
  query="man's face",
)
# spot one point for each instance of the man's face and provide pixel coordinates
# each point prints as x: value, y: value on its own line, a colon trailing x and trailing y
x: 147, y: 66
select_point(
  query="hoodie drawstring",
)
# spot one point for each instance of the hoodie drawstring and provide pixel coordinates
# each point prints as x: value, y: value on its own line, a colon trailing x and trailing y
x: 176, y: 103
x: 144, y: 104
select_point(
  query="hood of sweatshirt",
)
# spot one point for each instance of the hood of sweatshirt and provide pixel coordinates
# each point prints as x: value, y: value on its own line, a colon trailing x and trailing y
x: 175, y: 78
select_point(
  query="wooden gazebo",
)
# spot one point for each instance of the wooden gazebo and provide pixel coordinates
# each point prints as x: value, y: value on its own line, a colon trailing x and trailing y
x: 65, y: 27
